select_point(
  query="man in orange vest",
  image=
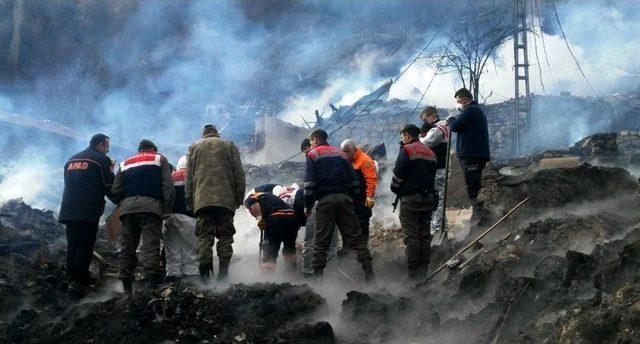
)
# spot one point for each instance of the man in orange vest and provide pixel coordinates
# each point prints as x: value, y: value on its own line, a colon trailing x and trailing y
x: 368, y: 175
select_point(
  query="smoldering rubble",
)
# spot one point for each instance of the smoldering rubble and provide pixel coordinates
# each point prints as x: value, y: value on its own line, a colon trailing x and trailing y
x: 563, y: 269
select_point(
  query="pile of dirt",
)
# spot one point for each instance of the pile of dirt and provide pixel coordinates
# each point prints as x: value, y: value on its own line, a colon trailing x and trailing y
x: 260, y: 313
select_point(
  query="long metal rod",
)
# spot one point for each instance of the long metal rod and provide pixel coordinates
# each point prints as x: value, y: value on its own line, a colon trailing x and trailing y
x: 443, y: 231
x: 469, y: 245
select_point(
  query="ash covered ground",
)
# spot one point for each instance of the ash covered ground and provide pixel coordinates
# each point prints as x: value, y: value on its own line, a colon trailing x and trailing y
x: 563, y: 269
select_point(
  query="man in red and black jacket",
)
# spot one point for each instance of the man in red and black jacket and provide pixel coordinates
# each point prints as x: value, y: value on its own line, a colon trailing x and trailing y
x: 88, y: 177
x: 144, y: 189
x: 280, y: 225
x: 331, y: 181
x: 413, y: 182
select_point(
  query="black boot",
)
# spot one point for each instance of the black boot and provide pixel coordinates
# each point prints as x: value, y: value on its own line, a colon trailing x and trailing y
x: 224, y: 270
x: 127, y: 286
x: 72, y: 272
x: 318, y: 275
x: 205, y: 271
x: 369, y: 277
x: 153, y: 281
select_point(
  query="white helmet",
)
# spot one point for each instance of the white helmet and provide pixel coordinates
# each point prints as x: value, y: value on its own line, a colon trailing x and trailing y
x: 182, y: 162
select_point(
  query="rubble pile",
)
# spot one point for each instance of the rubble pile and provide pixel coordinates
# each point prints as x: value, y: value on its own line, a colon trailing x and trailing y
x: 260, y: 313
x: 21, y: 223
x: 621, y: 148
x: 566, y: 260
x: 552, y: 188
x: 284, y: 173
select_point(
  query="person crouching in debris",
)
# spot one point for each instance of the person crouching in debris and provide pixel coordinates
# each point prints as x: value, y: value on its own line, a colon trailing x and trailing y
x: 214, y: 189
x: 280, y: 225
x: 472, y: 144
x: 368, y: 177
x: 331, y: 181
x: 413, y: 182
x: 179, y: 231
x: 144, y: 190
x: 88, y: 177
x: 434, y: 133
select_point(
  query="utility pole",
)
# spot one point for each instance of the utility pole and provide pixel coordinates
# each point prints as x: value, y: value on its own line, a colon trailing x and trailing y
x: 521, y: 67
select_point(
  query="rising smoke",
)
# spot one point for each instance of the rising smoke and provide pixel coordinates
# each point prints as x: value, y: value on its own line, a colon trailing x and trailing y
x: 135, y: 68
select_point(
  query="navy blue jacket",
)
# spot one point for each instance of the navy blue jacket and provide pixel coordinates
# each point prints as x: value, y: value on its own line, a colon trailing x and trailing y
x: 328, y: 171
x: 473, y: 133
x: 415, y: 170
x: 87, y: 179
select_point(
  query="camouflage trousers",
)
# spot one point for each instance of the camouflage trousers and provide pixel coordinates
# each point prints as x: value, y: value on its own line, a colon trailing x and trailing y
x: 149, y: 227
x: 214, y: 223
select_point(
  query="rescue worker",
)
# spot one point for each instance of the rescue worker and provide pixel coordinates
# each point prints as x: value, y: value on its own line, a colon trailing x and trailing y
x: 434, y: 133
x: 331, y: 181
x: 368, y: 178
x: 214, y: 189
x: 88, y: 177
x: 472, y: 144
x: 305, y: 146
x: 179, y: 232
x: 280, y: 225
x: 413, y: 182
x: 144, y: 190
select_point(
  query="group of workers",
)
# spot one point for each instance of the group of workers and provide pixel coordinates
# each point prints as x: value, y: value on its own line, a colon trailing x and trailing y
x: 185, y: 211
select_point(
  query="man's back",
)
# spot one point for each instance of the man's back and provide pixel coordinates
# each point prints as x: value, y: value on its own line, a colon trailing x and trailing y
x: 473, y: 134
x: 87, y: 179
x: 214, y: 174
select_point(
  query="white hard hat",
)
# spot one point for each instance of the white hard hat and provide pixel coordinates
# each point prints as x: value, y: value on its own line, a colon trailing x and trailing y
x: 182, y: 162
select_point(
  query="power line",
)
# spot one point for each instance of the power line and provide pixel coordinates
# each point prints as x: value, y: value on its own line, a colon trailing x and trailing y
x: 544, y: 46
x: 569, y: 48
x: 535, y: 47
x: 379, y: 95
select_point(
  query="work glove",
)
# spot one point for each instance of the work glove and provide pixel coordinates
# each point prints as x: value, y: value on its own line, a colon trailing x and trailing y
x: 369, y: 202
x: 261, y: 224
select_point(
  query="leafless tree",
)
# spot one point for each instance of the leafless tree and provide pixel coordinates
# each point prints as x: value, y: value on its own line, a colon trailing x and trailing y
x: 472, y: 42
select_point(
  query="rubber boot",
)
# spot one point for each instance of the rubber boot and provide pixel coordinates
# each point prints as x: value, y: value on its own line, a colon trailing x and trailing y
x: 205, y: 272
x: 369, y: 277
x: 224, y: 270
x: 127, y: 286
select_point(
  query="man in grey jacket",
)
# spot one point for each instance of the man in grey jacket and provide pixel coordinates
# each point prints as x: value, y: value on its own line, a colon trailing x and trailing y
x: 144, y: 190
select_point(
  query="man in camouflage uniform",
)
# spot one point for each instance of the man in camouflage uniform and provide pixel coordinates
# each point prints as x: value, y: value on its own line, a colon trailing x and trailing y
x: 214, y: 189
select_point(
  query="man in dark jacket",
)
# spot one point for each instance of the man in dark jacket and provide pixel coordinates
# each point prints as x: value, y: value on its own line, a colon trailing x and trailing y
x: 144, y: 189
x: 88, y: 176
x: 331, y: 181
x: 472, y: 144
x: 413, y: 182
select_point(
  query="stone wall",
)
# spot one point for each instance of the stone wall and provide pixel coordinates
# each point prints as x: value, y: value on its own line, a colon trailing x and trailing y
x: 557, y: 122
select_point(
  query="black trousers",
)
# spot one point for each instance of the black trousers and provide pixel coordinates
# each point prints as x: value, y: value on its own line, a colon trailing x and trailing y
x: 283, y: 231
x: 472, y: 168
x: 81, y: 239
